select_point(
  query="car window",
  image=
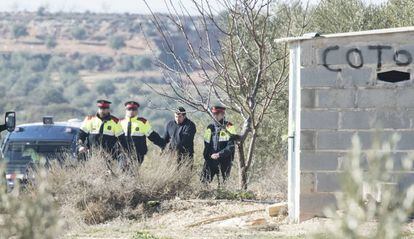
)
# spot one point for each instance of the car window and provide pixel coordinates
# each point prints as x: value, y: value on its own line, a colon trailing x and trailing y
x: 35, y: 152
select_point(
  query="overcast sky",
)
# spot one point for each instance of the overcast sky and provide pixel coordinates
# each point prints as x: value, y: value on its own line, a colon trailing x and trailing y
x: 118, y: 6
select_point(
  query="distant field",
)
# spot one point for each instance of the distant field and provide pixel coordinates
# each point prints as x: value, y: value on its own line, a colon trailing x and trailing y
x: 135, y: 46
x: 91, y: 78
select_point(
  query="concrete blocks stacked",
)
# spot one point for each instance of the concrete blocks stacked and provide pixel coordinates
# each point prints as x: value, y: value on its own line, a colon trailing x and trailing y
x: 341, y: 96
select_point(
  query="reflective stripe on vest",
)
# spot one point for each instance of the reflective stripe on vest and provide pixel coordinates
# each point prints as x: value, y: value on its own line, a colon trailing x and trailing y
x: 93, y: 124
x: 207, y: 135
x: 224, y: 136
x: 138, y: 127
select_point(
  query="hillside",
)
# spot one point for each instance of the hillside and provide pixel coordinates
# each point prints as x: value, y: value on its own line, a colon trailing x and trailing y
x: 59, y: 64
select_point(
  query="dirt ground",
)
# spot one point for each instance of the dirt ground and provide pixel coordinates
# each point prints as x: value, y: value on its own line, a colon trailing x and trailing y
x: 176, y: 216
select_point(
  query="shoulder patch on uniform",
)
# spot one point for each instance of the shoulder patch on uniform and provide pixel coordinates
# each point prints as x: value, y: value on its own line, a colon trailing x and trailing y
x: 115, y: 119
x: 142, y: 119
x: 229, y: 124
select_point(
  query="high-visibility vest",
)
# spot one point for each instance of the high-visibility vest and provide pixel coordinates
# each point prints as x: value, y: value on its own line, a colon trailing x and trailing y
x: 224, y: 135
x: 93, y: 125
x: 136, y: 126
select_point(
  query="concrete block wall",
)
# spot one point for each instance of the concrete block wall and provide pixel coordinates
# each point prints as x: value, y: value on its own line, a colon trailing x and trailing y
x: 341, y: 96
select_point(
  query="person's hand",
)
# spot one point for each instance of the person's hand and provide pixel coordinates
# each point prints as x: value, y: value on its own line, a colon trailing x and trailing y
x: 82, y: 149
x: 215, y: 156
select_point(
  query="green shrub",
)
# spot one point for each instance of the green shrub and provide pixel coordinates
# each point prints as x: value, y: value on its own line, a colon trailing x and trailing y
x: 141, y: 63
x: 41, y: 11
x: 135, y: 28
x: 117, y: 42
x: 68, y: 68
x: 231, y: 195
x: 26, y: 84
x: 91, y: 62
x: 79, y: 33
x: 55, y: 62
x: 75, y: 89
x: 106, y: 87
x: 49, y: 95
x: 37, y: 64
x: 360, y: 191
x: 29, y: 215
x: 19, y: 31
x: 125, y: 63
x: 144, y: 235
x: 50, y: 42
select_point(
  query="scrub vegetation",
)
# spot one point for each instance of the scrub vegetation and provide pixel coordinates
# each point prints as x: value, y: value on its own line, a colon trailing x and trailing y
x: 113, y: 56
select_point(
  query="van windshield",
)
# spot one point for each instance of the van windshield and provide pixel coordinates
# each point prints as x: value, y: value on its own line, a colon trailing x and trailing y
x: 19, y: 154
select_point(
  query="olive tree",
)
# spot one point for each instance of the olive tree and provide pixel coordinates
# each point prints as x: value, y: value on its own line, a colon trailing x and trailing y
x: 117, y: 42
x: 19, y: 30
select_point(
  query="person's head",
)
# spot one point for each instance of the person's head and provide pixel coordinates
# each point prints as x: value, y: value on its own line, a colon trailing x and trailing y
x: 180, y: 115
x: 131, y: 109
x: 218, y: 112
x: 103, y: 107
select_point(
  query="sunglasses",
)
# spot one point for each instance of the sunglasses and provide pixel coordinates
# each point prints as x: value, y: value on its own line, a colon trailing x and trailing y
x: 132, y: 109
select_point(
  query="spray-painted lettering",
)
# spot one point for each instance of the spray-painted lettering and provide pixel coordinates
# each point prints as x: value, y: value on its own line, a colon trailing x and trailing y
x: 355, y: 58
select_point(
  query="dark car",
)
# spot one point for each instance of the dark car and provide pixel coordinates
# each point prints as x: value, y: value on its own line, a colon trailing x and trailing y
x: 38, y: 143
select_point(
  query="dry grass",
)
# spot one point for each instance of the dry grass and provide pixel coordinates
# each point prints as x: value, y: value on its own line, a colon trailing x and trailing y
x: 96, y: 191
x: 267, y: 182
x: 271, y: 181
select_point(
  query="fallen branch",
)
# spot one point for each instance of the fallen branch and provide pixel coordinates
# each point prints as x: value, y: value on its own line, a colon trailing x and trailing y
x: 222, y: 218
x: 258, y: 201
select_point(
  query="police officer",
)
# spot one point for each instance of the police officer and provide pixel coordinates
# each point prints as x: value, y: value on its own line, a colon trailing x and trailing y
x: 102, y: 130
x: 137, y: 130
x: 218, y: 146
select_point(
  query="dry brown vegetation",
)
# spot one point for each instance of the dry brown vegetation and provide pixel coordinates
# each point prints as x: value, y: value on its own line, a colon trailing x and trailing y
x: 70, y: 197
x: 95, y: 191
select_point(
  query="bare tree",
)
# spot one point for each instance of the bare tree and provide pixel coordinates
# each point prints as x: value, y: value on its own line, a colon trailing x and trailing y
x: 231, y: 58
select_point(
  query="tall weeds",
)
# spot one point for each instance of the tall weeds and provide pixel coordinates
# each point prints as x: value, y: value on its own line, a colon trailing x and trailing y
x: 98, y: 189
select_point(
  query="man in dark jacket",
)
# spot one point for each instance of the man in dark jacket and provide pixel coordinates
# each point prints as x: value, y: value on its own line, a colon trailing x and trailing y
x: 218, y: 146
x: 179, y: 134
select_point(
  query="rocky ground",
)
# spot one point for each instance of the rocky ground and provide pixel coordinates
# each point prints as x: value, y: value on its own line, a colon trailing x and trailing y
x: 183, y: 219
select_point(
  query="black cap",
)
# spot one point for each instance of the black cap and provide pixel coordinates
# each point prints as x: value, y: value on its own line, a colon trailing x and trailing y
x: 180, y: 110
x: 104, y: 104
x: 131, y: 105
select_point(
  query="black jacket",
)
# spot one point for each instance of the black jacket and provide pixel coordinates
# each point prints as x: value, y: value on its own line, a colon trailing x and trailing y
x: 180, y: 137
